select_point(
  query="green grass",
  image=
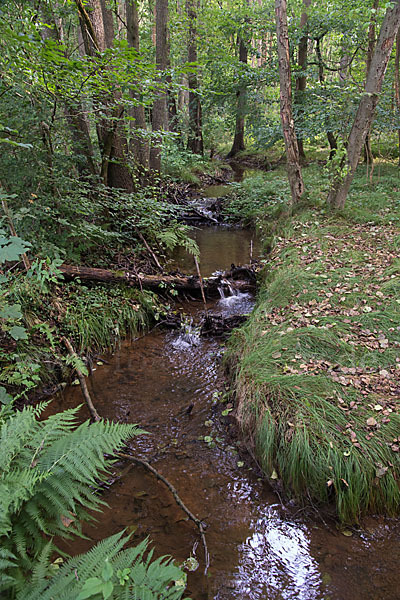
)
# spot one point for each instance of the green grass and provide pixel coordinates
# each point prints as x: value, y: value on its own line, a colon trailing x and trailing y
x: 319, y: 355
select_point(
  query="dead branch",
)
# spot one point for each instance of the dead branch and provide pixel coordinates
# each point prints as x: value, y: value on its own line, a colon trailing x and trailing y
x: 82, y: 381
x: 178, y: 500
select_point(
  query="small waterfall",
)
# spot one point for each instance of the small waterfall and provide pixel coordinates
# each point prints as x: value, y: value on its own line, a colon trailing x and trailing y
x: 188, y: 336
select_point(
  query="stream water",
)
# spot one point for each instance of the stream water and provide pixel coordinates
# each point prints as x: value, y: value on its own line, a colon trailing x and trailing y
x: 171, y: 384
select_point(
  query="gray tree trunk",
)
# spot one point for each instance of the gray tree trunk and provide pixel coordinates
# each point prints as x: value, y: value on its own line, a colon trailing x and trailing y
x: 289, y: 133
x: 366, y: 109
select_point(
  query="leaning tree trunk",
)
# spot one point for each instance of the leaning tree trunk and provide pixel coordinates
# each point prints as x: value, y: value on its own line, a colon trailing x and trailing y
x: 289, y: 133
x: 159, y: 114
x: 301, y: 81
x: 366, y: 109
x: 241, y: 95
x: 195, y: 135
x: 139, y: 144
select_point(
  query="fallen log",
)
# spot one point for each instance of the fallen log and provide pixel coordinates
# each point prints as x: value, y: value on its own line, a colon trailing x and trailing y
x: 180, y: 283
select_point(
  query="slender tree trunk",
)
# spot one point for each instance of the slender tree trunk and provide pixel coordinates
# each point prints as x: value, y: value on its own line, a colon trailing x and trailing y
x: 329, y: 134
x: 241, y: 95
x: 301, y: 81
x: 74, y: 113
x: 139, y: 144
x: 397, y: 83
x: 289, y: 133
x: 366, y: 109
x: 98, y: 35
x: 195, y: 136
x: 159, y: 114
x: 368, y: 156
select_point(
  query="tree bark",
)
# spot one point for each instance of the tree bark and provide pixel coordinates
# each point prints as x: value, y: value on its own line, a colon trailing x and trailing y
x: 368, y: 156
x: 139, y: 144
x: 301, y: 81
x: 289, y: 133
x: 329, y: 134
x: 366, y: 109
x: 195, y: 136
x: 98, y: 35
x: 159, y: 114
x: 154, y: 282
x: 241, y: 95
x: 397, y: 83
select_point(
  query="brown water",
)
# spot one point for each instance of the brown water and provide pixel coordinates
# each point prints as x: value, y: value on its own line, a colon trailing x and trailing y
x: 259, y: 548
x: 219, y: 248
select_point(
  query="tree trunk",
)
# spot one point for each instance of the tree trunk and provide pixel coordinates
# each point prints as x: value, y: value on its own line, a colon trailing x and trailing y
x: 139, y: 144
x: 366, y: 109
x: 289, y: 133
x: 159, y: 114
x: 195, y: 136
x: 301, y: 81
x: 397, y: 82
x: 368, y: 156
x: 241, y: 95
x: 74, y: 113
x: 329, y: 134
x: 98, y: 35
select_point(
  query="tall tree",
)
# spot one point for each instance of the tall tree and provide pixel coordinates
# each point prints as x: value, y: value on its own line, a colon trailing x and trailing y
x: 301, y: 80
x: 140, y: 146
x: 366, y: 108
x: 289, y: 133
x: 98, y: 35
x: 241, y: 99
x: 369, y: 157
x: 195, y: 135
x: 159, y: 114
x: 397, y: 83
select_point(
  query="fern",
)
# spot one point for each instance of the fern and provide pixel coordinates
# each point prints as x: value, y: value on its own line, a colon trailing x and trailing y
x: 145, y: 579
x: 46, y: 470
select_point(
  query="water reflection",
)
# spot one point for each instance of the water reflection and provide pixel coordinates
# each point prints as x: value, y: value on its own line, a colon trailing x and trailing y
x: 275, y: 562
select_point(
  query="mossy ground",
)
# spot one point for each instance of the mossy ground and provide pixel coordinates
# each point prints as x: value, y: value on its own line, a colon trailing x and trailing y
x: 317, y: 367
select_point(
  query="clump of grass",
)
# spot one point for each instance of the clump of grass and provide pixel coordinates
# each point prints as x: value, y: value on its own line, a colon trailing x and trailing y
x: 315, y: 366
x: 98, y: 318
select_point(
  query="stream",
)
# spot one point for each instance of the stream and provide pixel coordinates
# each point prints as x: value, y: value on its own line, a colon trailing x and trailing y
x: 172, y: 384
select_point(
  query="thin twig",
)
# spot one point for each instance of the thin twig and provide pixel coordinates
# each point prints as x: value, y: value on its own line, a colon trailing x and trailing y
x: 180, y: 503
x: 82, y: 381
x: 196, y: 262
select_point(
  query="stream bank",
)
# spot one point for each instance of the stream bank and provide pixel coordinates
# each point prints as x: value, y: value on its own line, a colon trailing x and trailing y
x: 172, y: 384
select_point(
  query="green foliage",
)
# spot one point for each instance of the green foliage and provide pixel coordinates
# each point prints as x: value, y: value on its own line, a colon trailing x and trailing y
x: 49, y: 470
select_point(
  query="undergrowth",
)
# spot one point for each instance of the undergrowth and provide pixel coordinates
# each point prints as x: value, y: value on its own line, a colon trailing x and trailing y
x: 316, y: 368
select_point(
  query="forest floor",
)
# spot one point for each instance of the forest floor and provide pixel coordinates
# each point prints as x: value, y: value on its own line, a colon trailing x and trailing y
x: 317, y: 367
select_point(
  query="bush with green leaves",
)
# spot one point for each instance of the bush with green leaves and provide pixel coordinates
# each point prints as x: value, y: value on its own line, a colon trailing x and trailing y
x: 49, y: 472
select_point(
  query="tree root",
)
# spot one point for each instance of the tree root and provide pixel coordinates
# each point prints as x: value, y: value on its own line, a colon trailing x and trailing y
x: 178, y: 500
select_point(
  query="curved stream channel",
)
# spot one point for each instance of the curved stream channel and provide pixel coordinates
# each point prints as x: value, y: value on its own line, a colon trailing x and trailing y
x: 171, y: 383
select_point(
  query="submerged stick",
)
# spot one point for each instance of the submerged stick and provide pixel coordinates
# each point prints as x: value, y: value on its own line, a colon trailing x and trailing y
x: 178, y: 500
x: 82, y: 381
